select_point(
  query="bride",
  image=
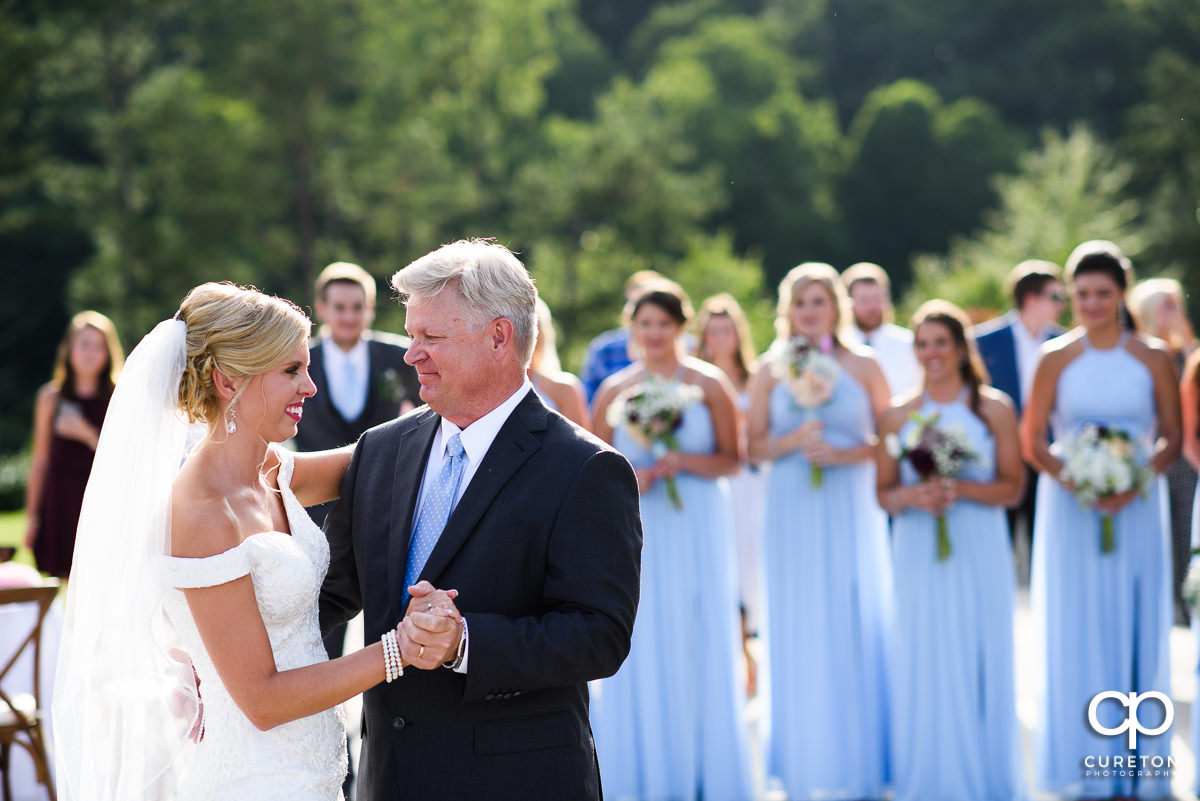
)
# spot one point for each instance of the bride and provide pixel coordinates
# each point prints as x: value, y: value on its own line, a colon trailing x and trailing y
x: 217, y: 557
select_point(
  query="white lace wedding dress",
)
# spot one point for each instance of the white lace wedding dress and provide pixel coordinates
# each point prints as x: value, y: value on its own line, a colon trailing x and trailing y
x: 304, y: 760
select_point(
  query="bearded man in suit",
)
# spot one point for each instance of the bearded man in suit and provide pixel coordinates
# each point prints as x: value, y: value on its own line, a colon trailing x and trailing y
x: 530, y: 518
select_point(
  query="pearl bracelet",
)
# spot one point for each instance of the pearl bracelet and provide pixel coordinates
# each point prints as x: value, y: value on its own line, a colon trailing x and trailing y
x: 393, y: 666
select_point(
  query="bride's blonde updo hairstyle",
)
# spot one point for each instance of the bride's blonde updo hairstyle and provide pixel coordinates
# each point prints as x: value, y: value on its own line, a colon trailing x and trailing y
x: 239, y: 331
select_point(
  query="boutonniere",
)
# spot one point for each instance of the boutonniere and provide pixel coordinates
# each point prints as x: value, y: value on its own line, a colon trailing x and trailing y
x: 389, y: 387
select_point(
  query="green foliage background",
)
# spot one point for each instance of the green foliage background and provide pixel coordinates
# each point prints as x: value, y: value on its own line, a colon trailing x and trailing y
x: 150, y: 145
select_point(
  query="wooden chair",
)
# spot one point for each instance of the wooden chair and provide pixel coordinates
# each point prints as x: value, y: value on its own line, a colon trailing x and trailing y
x: 21, y: 713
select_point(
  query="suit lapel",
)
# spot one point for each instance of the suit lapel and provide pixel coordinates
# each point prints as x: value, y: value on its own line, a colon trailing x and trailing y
x: 316, y: 371
x: 372, y: 379
x: 1008, y: 362
x: 320, y: 377
x: 514, y: 444
x: 412, y: 454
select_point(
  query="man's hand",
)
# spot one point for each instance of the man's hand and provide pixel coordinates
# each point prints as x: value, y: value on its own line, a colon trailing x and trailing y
x: 431, y: 630
x: 426, y: 597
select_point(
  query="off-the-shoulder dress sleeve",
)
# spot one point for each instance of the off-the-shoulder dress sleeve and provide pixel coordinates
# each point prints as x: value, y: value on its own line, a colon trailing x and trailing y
x: 208, y: 571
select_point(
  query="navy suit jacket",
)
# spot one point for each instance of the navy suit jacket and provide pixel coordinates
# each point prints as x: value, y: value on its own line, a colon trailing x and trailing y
x: 997, y: 347
x: 544, y: 548
x: 390, y: 381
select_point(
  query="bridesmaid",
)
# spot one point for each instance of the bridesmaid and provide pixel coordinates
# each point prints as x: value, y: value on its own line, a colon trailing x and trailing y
x: 724, y: 340
x: 1102, y: 618
x: 829, y: 586
x: 68, y: 414
x: 560, y: 391
x: 669, y: 724
x: 954, y: 722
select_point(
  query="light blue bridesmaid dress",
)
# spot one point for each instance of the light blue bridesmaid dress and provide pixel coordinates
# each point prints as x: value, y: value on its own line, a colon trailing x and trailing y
x: 829, y: 609
x: 954, y: 724
x: 1103, y: 620
x: 669, y: 725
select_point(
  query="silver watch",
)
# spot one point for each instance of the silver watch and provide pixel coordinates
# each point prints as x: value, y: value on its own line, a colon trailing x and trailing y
x: 462, y: 649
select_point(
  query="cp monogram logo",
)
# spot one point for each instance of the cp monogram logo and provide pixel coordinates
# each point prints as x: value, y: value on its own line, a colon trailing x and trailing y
x: 1134, y: 726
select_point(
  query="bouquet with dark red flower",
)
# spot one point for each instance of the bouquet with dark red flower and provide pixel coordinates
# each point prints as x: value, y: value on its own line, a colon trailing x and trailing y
x: 651, y: 412
x: 934, y: 452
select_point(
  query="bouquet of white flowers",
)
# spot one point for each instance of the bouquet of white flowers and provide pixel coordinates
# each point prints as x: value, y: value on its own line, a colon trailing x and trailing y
x: 1099, y: 461
x: 934, y: 452
x: 1191, y: 585
x: 810, y: 373
x: 651, y: 412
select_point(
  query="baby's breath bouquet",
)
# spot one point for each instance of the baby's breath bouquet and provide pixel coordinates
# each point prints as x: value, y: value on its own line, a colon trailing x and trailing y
x: 1100, y: 461
x: 651, y: 411
x: 1191, y: 585
x: 934, y: 451
x: 810, y: 372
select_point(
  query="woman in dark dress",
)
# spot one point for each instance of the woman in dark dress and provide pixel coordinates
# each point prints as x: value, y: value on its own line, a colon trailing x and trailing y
x: 67, y: 417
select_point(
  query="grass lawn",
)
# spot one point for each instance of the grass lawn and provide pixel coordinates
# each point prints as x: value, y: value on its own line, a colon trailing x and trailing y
x: 12, y: 533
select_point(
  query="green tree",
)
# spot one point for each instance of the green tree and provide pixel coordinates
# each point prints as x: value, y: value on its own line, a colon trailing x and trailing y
x: 1038, y: 62
x: 1071, y: 190
x: 1164, y: 144
x: 746, y: 115
x: 917, y: 173
x: 605, y: 199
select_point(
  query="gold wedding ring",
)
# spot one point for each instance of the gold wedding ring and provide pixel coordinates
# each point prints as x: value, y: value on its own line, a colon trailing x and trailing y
x: 421, y: 653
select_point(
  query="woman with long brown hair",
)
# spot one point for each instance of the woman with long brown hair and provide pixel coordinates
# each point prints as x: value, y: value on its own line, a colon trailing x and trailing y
x: 669, y: 724
x: 954, y: 718
x: 723, y: 339
x: 67, y: 417
x: 1101, y: 579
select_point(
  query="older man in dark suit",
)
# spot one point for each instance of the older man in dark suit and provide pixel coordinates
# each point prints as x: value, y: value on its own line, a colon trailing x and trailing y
x: 1011, y: 347
x: 530, y: 518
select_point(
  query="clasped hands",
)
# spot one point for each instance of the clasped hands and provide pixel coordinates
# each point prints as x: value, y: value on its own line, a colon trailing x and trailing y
x: 808, y: 439
x: 666, y: 466
x: 431, y: 629
x: 1108, y: 504
x: 935, y: 495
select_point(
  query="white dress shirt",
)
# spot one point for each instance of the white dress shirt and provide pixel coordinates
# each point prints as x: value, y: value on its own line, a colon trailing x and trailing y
x: 893, y: 347
x: 476, y: 439
x: 1028, y: 349
x: 346, y: 374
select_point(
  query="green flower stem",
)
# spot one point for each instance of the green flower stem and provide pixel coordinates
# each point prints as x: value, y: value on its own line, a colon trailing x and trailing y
x: 672, y: 443
x: 816, y: 476
x: 673, y: 493
x: 943, y: 539
x: 1108, y: 536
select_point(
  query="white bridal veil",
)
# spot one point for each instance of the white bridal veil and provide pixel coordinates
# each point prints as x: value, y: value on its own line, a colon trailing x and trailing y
x: 115, y: 735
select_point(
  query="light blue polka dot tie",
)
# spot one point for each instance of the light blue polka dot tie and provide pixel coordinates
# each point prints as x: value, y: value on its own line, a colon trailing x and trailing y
x: 435, y: 511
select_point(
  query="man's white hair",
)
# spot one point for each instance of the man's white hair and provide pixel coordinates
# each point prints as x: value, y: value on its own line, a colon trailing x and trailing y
x: 490, y: 279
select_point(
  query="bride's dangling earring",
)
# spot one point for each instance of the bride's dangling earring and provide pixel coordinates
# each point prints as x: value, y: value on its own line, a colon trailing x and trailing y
x: 231, y: 426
